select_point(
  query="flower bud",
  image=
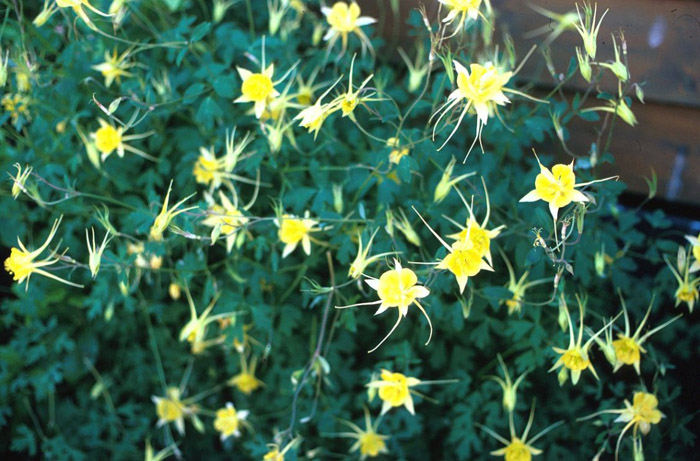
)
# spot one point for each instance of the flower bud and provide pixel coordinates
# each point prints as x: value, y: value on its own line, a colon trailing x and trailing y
x: 584, y: 65
x: 174, y: 291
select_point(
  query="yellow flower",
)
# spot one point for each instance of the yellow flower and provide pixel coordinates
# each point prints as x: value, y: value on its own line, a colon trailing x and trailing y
x: 518, y: 448
x: 368, y: 441
x: 257, y: 88
x: 17, y: 105
x: 21, y: 263
x: 482, y: 87
x: 447, y: 181
x: 394, y: 390
x: 461, y: 9
x: 77, y: 6
x: 687, y: 291
x: 107, y: 139
x: 587, y: 27
x: 274, y: 453
x: 114, y: 67
x: 195, y: 330
x: 695, y: 242
x: 397, y: 153
x: 349, y: 100
x: 575, y: 357
x: 228, y: 219
x: 312, y: 117
x: 556, y: 187
x: 229, y: 420
x: 509, y: 388
x: 19, y: 179
x: 396, y: 288
x: 345, y: 19
x: 245, y: 381
x: 95, y: 252
x: 170, y: 409
x: 293, y: 230
x: 517, y: 288
x: 361, y: 262
x: 166, y: 215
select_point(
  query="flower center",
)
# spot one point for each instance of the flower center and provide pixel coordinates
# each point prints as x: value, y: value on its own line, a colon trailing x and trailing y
x: 19, y: 264
x: 292, y: 230
x: 395, y: 391
x: 371, y: 444
x: 226, y: 421
x: 169, y: 410
x: 517, y: 451
x: 573, y: 360
x: 205, y: 169
x: 257, y: 87
x: 396, y: 288
x: 626, y: 350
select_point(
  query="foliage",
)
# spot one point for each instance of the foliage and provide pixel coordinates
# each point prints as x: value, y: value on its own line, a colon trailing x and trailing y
x: 229, y: 218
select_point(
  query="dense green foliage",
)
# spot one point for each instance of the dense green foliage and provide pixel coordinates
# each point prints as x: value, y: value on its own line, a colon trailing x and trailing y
x: 79, y: 366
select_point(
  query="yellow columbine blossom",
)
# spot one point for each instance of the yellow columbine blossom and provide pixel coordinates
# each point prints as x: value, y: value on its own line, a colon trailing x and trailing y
x: 575, y: 356
x: 447, y: 182
x: 207, y: 168
x: 396, y: 288
x: 370, y: 443
x: 195, y: 330
x: 312, y: 117
x: 482, y: 88
x: 108, y: 138
x: 349, y: 100
x: 687, y: 291
x: 397, y: 152
x: 229, y: 421
x: 461, y: 9
x: 628, y: 348
x: 509, y: 388
x: 95, y: 252
x: 695, y: 242
x: 19, y: 179
x: 464, y: 260
x: 587, y: 27
x: 245, y: 381
x: 228, y: 220
x: 345, y: 19
x: 394, y: 390
x: 166, y: 215
x: 517, y: 287
x: 257, y: 88
x: 274, y: 453
x: 114, y: 67
x: 17, y: 105
x: 361, y: 261
x: 556, y: 187
x: 293, y: 230
x: 21, y: 263
x: 518, y: 448
x: 170, y: 409
x: 77, y: 6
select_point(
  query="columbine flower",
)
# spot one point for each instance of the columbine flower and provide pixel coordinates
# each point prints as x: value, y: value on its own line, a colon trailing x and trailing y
x: 17, y: 105
x: 461, y: 9
x: 166, y: 215
x: 368, y: 442
x: 396, y: 288
x: 226, y: 219
x: 518, y: 448
x: 397, y: 152
x: 394, y: 390
x: 77, y: 6
x: 687, y: 291
x: 245, y: 381
x: 464, y: 260
x: 509, y: 388
x: 274, y: 453
x: 561, y: 22
x: 557, y: 187
x: 229, y: 420
x: 587, y: 27
x: 170, y: 409
x: 114, y: 67
x: 482, y: 89
x: 195, y: 330
x: 575, y: 356
x: 21, y: 263
x: 19, y: 179
x: 361, y: 261
x: 447, y: 182
x: 312, y: 117
x: 517, y: 288
x: 344, y: 19
x: 259, y: 88
x: 628, y: 348
x: 107, y: 139
x: 694, y: 241
x: 95, y: 252
x: 349, y: 100
x: 293, y: 230
x: 639, y: 415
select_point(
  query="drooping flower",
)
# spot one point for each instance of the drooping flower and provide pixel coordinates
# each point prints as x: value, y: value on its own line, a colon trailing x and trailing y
x: 166, y: 215
x: 556, y: 187
x: 108, y: 138
x: 114, y: 67
x: 396, y: 288
x: 245, y: 381
x: 275, y: 454
x: 312, y: 117
x: 361, y: 261
x: 519, y: 448
x: 229, y: 421
x: 587, y: 27
x: 368, y: 441
x: 171, y: 409
x: 227, y: 219
x: 21, y: 263
x: 460, y: 10
x: 293, y: 230
x: 19, y: 179
x: 95, y: 252
x: 351, y: 98
x: 77, y: 6
x: 687, y: 291
x: 195, y: 330
x: 509, y: 387
x: 480, y: 89
x: 575, y: 357
x: 447, y: 182
x: 345, y: 19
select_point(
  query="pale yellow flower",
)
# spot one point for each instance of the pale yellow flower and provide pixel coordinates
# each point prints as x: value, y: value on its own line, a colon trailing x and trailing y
x: 170, y: 409
x: 361, y: 261
x: 227, y: 219
x: 109, y: 138
x: 257, y: 88
x: 509, y: 388
x: 587, y: 27
x: 19, y: 179
x: 345, y: 19
x: 166, y: 215
x: 394, y: 390
x: 695, y: 250
x: 460, y: 10
x: 368, y: 441
x: 396, y: 288
x: 245, y: 381
x: 293, y: 230
x: 77, y: 7
x: 397, y: 152
x: 229, y: 421
x: 687, y: 291
x: 114, y: 67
